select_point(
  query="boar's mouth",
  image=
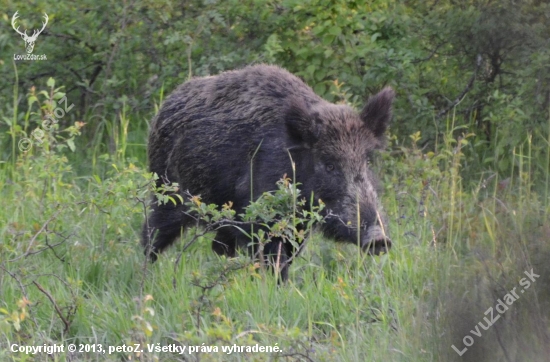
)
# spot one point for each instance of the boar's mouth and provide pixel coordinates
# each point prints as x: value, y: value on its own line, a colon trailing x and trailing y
x: 373, y: 238
x: 375, y: 241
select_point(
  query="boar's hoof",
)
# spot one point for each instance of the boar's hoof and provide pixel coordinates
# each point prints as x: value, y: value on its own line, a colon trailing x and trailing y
x: 152, y: 253
x: 376, y: 242
x: 377, y: 247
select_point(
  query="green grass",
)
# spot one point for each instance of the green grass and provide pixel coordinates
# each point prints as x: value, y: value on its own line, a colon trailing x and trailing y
x: 72, y: 270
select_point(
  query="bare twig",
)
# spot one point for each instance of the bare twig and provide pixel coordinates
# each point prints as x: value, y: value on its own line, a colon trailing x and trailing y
x: 51, y: 247
x: 56, y: 307
x: 298, y: 354
x: 433, y: 52
x: 44, y: 226
x: 464, y: 91
x: 22, y: 288
x: 148, y: 247
x: 244, y: 333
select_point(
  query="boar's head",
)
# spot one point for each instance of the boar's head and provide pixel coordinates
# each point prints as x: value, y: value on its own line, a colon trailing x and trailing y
x: 333, y: 145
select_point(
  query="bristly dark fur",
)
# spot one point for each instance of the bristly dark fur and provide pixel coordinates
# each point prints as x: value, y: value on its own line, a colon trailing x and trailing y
x: 208, y: 129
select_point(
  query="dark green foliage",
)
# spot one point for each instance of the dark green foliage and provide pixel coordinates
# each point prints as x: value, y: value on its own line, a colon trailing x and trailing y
x: 485, y: 62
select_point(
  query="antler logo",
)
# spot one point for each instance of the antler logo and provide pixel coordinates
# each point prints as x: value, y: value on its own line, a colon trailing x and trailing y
x: 29, y: 40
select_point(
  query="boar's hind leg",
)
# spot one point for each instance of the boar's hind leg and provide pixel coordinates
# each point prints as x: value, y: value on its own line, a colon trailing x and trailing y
x: 225, y: 242
x: 161, y: 229
x: 276, y: 255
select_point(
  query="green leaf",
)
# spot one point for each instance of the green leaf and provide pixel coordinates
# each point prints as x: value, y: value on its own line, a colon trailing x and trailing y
x: 310, y: 70
x: 320, y: 88
x: 318, y: 30
x: 58, y: 95
x: 328, y: 39
x: 51, y: 82
x: 70, y: 143
x: 335, y: 30
x: 32, y: 99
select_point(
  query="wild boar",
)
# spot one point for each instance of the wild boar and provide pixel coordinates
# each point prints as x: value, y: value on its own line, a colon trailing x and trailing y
x: 207, y: 131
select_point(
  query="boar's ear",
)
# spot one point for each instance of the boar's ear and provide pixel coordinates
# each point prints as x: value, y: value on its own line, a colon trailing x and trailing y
x: 300, y: 124
x: 377, y: 112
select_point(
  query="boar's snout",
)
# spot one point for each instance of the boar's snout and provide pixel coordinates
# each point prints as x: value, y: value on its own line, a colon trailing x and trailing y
x: 375, y: 241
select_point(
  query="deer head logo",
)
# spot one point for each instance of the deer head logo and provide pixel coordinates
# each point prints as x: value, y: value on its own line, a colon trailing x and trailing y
x: 29, y: 40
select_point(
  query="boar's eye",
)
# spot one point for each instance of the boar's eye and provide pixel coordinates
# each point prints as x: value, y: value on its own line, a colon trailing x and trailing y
x: 330, y: 167
x: 368, y: 157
